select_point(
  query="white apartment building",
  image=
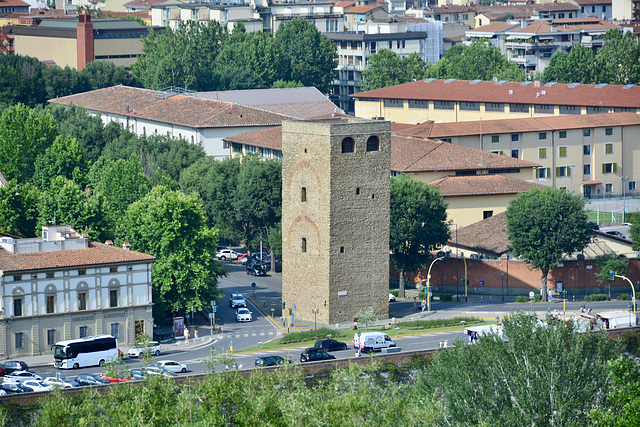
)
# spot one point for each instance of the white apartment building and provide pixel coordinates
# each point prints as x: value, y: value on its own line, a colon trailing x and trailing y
x: 228, y: 13
x: 63, y: 286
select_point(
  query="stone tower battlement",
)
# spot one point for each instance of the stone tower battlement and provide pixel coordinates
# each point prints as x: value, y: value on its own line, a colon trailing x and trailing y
x: 335, y: 217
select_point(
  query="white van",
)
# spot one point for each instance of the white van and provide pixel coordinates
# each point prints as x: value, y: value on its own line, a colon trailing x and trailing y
x: 372, y: 341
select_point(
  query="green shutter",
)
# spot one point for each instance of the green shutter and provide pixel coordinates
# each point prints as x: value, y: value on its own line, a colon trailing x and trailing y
x: 604, y: 168
x: 614, y: 168
x: 548, y: 172
x: 557, y: 171
x: 568, y: 171
x: 537, y: 173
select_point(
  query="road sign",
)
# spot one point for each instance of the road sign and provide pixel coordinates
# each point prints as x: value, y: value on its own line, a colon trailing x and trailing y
x: 211, y: 315
x: 430, y: 294
x: 253, y: 285
x: 215, y: 308
x: 481, y: 282
x: 531, y: 295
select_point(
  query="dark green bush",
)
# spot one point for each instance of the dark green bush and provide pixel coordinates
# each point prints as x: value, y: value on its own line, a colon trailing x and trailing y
x: 537, y: 297
x: 521, y: 298
x: 437, y: 323
x: 630, y: 342
x: 446, y: 297
x: 311, y: 335
x: 395, y: 292
x: 624, y: 297
x: 596, y: 297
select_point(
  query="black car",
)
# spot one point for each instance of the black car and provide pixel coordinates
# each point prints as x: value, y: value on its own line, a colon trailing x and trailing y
x: 315, y: 354
x: 271, y: 361
x: 330, y: 345
x: 16, y: 388
x: 256, y: 270
x: 14, y: 365
x: 85, y: 380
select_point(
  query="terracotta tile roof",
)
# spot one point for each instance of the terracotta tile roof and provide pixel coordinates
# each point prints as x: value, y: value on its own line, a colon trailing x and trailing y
x: 408, y: 154
x: 451, y: 8
x: 488, y: 235
x: 511, y: 92
x: 13, y: 3
x: 479, y: 185
x: 177, y: 109
x: 564, y: 26
x: 539, y: 124
x: 494, y: 27
x: 360, y: 9
x: 137, y: 14
x: 427, y: 155
x: 96, y: 254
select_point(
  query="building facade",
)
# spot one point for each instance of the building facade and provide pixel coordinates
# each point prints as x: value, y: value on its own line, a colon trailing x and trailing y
x: 63, y: 286
x: 335, y: 214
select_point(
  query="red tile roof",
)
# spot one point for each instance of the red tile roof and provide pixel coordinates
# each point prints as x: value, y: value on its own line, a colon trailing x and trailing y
x: 477, y: 185
x: 565, y: 26
x: 494, y: 27
x: 95, y: 255
x: 13, y: 3
x: 360, y: 9
x: 538, y: 124
x: 177, y: 109
x: 488, y: 235
x: 510, y: 92
x: 409, y: 154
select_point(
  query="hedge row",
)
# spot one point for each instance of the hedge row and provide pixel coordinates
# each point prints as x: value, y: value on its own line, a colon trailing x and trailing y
x: 438, y: 323
x: 311, y: 335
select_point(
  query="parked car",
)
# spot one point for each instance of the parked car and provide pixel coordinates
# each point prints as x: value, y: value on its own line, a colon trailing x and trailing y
x: 156, y: 370
x: 315, y: 354
x: 88, y: 380
x: 237, y: 300
x: 153, y: 347
x: 242, y: 258
x: 20, y: 376
x: 14, y: 365
x: 260, y: 256
x: 61, y: 382
x: 392, y: 297
x: 172, y: 366
x: 615, y: 233
x: 243, y: 315
x: 138, y: 374
x: 256, y: 269
x: 12, y: 388
x: 227, y: 254
x: 271, y: 361
x: 330, y: 345
x: 38, y: 386
x: 114, y: 378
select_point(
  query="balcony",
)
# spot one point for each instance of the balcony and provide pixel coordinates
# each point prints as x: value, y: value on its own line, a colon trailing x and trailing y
x: 526, y: 60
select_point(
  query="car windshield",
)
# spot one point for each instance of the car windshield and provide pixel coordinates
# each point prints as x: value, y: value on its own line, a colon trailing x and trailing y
x: 243, y: 311
x: 59, y: 352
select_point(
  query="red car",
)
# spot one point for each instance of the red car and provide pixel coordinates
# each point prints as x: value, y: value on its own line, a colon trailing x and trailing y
x: 116, y: 379
x: 242, y: 259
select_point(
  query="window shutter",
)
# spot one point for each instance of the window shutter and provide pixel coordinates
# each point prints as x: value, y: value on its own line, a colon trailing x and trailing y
x: 604, y: 168
x: 557, y: 171
x: 502, y: 152
x: 614, y: 168
x: 548, y: 172
x: 537, y: 173
x: 568, y: 171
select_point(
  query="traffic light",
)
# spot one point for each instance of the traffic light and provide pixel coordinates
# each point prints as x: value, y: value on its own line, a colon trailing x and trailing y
x: 283, y: 305
x: 611, y: 275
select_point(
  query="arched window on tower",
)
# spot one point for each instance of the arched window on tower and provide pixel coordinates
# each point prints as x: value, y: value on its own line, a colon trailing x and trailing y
x: 348, y: 145
x: 303, y: 194
x: 304, y: 244
x: 373, y: 143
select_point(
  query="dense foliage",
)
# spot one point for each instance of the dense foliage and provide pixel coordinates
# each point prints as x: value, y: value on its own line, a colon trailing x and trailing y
x: 546, y: 225
x: 386, y: 68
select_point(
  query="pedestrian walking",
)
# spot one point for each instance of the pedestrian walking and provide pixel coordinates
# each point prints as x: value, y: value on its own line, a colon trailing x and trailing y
x: 446, y: 343
x: 440, y: 343
x: 424, y: 304
x: 186, y: 334
x: 195, y: 333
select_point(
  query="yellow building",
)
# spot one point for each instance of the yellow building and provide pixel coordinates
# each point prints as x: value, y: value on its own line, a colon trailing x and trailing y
x: 463, y: 100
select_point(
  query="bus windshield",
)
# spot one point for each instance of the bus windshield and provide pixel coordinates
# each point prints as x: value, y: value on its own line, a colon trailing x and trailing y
x: 59, y: 352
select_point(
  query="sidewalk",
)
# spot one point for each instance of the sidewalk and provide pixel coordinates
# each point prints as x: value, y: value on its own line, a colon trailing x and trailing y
x: 168, y: 347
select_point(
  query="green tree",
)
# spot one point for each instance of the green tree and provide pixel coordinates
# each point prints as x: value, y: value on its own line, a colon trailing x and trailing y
x: 618, y: 60
x: 65, y: 202
x: 172, y: 227
x: 576, y: 66
x: 481, y: 61
x: 634, y: 231
x: 63, y: 158
x: 310, y: 55
x: 101, y: 74
x: 548, y: 374
x: 610, y: 262
x: 18, y: 213
x: 623, y: 398
x: 388, y: 69
x: 183, y: 57
x: 21, y: 81
x: 546, y: 225
x: 279, y: 84
x: 64, y: 81
x: 24, y: 133
x: 418, y: 224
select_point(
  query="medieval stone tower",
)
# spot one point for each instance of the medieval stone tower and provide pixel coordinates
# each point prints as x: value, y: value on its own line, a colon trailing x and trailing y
x: 335, y: 218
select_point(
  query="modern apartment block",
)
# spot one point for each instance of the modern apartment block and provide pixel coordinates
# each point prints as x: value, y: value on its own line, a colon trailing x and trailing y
x: 595, y: 155
x: 335, y: 214
x: 463, y: 100
x: 63, y: 286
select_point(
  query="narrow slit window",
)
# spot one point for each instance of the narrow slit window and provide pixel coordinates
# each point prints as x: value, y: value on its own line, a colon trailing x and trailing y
x: 303, y: 194
x: 304, y: 245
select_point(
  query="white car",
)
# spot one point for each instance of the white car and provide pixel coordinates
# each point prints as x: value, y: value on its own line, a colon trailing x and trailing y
x: 227, y: 254
x: 172, y: 366
x: 237, y: 300
x: 243, y: 315
x: 37, y: 386
x: 155, y: 370
x: 392, y: 297
x: 153, y: 348
x: 21, y: 376
x: 62, y: 382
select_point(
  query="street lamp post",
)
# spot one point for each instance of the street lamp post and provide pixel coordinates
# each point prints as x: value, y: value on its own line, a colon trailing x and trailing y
x: 315, y: 314
x: 502, y: 280
x: 429, y: 283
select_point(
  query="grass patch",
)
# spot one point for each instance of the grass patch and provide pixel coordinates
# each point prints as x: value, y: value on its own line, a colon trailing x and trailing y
x: 438, y: 323
x: 298, y: 337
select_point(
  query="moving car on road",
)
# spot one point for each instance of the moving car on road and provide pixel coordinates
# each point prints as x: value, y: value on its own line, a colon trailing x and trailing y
x: 14, y: 365
x: 330, y: 345
x: 237, y: 300
x: 153, y: 347
x: 392, y: 297
x: 256, y: 269
x: 227, y: 254
x: 243, y: 315
x: 315, y: 354
x: 21, y: 376
x: 172, y: 366
x: 271, y: 360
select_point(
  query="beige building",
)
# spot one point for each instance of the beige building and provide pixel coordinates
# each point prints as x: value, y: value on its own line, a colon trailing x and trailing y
x: 594, y: 155
x: 463, y: 100
x: 63, y: 286
x: 171, y: 14
x: 335, y: 214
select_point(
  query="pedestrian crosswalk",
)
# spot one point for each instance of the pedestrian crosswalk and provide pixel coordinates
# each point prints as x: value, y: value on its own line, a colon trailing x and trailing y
x: 235, y: 335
